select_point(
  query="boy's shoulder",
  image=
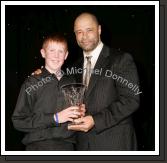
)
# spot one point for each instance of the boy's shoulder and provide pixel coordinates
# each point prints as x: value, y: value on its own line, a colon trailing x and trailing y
x: 34, y: 78
x: 30, y: 80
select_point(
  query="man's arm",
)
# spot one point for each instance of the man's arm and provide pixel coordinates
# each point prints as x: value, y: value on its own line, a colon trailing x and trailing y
x: 127, y: 101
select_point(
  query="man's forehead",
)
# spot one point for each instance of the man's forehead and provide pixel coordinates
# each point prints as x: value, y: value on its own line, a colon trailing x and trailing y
x: 84, y: 23
x: 84, y: 18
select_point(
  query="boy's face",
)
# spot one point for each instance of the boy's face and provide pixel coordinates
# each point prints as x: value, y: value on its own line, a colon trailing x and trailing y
x: 54, y: 53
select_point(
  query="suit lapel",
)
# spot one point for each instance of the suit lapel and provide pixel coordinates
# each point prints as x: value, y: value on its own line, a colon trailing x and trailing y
x: 101, y: 63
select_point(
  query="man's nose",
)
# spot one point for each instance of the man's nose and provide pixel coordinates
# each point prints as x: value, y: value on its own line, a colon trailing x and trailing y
x: 85, y: 35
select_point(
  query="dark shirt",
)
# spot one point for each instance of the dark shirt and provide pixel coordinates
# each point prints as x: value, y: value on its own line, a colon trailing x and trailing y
x: 40, y: 97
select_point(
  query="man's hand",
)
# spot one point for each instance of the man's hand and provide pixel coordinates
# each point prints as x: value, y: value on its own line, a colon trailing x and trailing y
x: 87, y: 123
x: 37, y: 71
x: 82, y: 110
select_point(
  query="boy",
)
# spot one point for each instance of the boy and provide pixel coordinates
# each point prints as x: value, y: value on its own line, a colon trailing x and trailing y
x: 39, y: 109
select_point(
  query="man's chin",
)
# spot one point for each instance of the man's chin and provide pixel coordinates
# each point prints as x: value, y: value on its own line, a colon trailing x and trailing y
x: 87, y: 49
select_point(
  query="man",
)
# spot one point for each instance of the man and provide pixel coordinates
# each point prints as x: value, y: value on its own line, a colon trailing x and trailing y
x: 111, y: 95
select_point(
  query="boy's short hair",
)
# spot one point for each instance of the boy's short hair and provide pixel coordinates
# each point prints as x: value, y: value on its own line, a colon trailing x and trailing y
x: 55, y: 37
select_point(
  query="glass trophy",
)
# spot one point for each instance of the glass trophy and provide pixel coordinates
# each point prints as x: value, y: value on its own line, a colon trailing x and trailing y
x: 74, y: 95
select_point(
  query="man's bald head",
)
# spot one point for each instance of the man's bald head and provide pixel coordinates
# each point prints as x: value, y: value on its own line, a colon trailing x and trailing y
x: 86, y: 15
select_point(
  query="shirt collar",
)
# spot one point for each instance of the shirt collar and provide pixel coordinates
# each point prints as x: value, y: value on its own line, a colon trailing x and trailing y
x: 45, y: 72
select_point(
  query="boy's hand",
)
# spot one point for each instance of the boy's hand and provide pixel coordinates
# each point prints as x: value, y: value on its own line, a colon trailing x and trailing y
x: 69, y: 114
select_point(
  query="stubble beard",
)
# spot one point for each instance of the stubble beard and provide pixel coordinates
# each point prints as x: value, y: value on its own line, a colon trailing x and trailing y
x: 90, y: 47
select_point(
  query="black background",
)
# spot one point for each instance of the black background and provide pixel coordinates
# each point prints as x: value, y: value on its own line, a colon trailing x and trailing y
x: 129, y: 28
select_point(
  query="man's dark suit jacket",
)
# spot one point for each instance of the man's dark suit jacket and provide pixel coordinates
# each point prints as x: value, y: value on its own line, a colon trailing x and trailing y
x: 111, y: 102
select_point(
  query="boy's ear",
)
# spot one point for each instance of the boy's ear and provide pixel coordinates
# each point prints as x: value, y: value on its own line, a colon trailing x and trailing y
x: 66, y: 55
x: 42, y: 53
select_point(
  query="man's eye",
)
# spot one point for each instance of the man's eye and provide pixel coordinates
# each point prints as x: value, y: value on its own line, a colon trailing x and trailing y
x: 79, y: 32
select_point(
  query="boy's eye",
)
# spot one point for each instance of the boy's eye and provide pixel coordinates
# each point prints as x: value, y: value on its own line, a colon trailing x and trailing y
x: 51, y: 50
x: 61, y: 51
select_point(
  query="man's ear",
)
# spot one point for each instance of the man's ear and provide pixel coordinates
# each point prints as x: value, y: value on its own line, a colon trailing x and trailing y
x: 42, y: 53
x: 66, y: 55
x: 99, y: 29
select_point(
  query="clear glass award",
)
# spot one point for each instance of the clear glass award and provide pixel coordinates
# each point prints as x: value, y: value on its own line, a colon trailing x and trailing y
x: 74, y: 95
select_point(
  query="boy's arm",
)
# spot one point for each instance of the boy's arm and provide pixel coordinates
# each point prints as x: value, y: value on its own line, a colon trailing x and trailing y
x: 24, y: 118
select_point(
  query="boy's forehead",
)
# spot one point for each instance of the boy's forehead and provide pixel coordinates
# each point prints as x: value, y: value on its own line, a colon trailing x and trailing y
x: 54, y: 43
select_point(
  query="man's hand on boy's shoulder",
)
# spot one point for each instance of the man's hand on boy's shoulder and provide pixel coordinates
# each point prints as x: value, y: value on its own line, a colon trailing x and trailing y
x: 37, y: 71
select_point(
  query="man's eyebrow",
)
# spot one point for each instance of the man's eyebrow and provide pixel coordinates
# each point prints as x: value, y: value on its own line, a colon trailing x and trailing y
x: 77, y: 30
x: 81, y: 29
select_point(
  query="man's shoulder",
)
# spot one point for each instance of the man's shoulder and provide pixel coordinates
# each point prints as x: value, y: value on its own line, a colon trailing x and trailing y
x: 119, y: 55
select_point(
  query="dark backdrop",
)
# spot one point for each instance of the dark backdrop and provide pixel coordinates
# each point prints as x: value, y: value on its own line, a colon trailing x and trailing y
x: 129, y: 28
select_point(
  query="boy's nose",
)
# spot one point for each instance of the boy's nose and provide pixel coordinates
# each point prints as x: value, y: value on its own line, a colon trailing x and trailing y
x: 56, y: 55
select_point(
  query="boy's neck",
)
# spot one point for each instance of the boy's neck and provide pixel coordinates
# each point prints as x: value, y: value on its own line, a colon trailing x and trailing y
x: 56, y: 72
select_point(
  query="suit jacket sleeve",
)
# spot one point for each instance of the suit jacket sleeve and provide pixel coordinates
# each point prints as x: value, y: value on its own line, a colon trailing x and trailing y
x: 126, y: 103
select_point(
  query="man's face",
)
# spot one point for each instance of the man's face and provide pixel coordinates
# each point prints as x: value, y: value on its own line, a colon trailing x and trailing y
x: 54, y: 53
x: 87, y: 33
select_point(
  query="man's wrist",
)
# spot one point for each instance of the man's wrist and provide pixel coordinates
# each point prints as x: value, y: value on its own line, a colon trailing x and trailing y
x: 93, y: 122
